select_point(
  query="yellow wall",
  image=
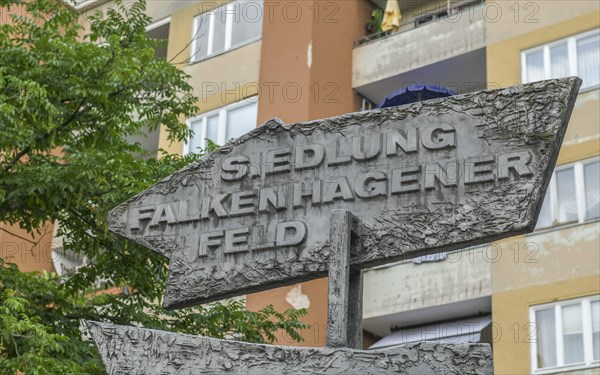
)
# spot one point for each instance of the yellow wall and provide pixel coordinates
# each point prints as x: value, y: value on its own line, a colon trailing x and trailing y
x: 559, y: 263
x: 507, y: 20
x: 510, y: 313
x: 217, y: 81
x: 583, y: 135
x: 504, y: 57
x: 545, y: 257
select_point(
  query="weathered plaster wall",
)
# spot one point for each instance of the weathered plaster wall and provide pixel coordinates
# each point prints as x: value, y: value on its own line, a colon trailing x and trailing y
x: 408, y: 286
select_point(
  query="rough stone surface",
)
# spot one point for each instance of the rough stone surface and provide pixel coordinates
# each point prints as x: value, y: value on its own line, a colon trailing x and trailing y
x: 139, y: 351
x: 344, y: 315
x: 230, y: 225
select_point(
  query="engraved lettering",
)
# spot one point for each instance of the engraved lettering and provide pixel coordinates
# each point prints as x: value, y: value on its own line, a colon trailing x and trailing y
x: 517, y: 162
x: 371, y: 185
x: 337, y: 188
x: 163, y: 214
x: 334, y: 157
x: 437, y: 137
x: 290, y: 234
x: 139, y: 214
x: 273, y: 196
x: 479, y: 170
x: 235, y: 168
x: 255, y: 163
x: 214, y: 205
x: 405, y: 179
x: 236, y: 240
x: 242, y: 203
x: 407, y: 143
x: 373, y: 150
x: 446, y: 176
x: 278, y: 161
x: 183, y: 213
x: 210, y: 241
x: 300, y: 191
x: 309, y: 156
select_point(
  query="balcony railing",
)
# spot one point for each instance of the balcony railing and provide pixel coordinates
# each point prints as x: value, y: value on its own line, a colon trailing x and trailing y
x: 458, y: 9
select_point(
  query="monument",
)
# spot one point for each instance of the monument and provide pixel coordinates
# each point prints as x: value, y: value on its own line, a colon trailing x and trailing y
x: 288, y: 203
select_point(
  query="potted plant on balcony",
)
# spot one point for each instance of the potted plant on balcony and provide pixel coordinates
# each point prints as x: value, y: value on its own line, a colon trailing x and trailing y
x: 373, y: 27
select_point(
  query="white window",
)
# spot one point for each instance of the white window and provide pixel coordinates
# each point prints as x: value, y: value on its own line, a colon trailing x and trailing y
x: 573, y: 195
x: 223, y: 124
x: 566, y: 334
x: 227, y: 27
x: 578, y: 55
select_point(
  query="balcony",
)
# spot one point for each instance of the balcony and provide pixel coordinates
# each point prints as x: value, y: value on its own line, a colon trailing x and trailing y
x: 441, y: 47
x: 429, y: 289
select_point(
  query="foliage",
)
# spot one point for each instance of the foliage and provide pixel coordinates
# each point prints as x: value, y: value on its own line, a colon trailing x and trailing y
x: 374, y: 24
x: 40, y: 322
x: 67, y: 106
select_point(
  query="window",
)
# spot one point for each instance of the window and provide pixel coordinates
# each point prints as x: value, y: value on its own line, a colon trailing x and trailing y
x: 160, y: 31
x: 566, y: 333
x: 578, y: 55
x: 225, y: 28
x: 367, y: 105
x: 573, y: 195
x: 443, y: 11
x: 223, y: 124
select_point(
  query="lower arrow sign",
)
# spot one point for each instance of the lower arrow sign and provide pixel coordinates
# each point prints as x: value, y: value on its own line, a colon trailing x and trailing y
x: 132, y: 350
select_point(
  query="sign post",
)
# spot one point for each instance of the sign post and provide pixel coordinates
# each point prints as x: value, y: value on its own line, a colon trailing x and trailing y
x: 280, y: 204
x: 344, y: 315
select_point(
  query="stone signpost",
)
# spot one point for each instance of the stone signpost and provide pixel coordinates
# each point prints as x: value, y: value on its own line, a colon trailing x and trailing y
x: 289, y: 203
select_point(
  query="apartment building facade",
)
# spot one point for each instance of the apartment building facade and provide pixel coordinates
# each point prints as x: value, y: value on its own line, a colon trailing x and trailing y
x: 535, y: 297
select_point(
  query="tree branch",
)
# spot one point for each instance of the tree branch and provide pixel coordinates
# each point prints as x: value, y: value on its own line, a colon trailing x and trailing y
x: 20, y: 237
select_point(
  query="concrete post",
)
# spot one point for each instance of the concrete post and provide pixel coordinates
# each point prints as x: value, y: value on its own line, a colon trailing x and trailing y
x: 344, y: 318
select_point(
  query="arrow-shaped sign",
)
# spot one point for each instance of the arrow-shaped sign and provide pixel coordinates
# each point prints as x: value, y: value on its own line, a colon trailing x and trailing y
x: 140, y: 351
x: 422, y: 178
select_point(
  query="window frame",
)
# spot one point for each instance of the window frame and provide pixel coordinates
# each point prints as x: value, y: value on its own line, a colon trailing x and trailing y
x: 572, y: 57
x: 159, y: 23
x: 588, y: 342
x: 222, y: 128
x: 580, y: 194
x: 229, y: 18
